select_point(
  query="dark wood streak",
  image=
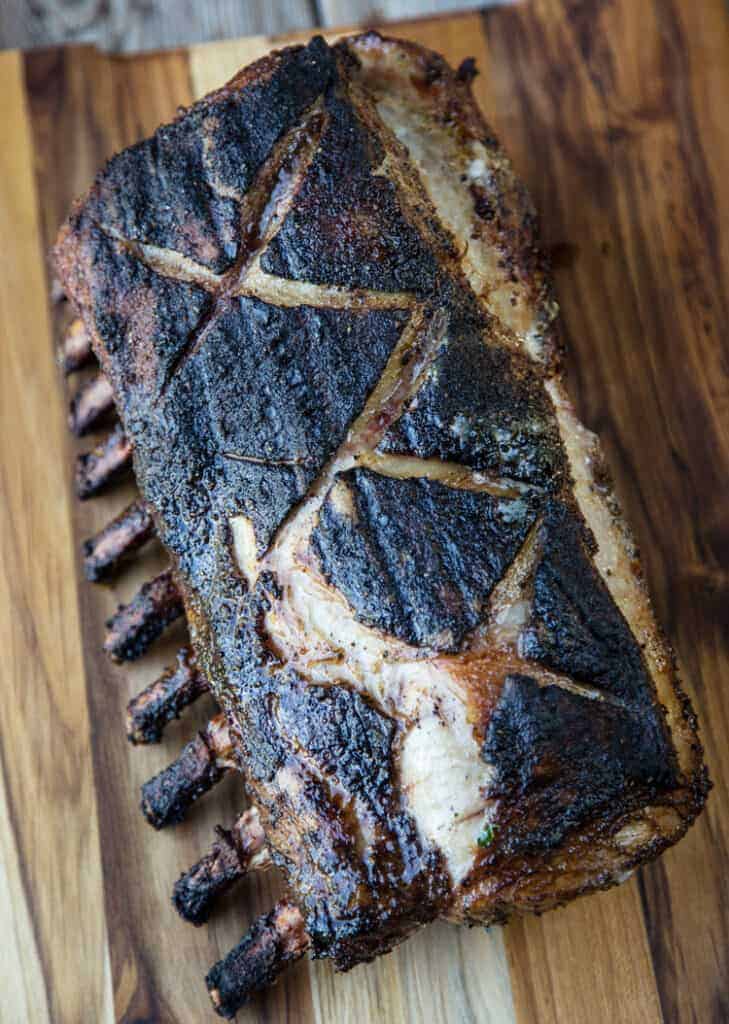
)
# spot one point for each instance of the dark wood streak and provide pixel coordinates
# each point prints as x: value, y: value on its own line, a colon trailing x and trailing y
x: 607, y: 111
x: 678, y: 71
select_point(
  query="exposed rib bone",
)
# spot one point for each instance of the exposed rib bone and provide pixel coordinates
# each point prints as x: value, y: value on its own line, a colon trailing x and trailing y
x: 203, y: 762
x: 103, y: 464
x: 93, y: 400
x: 75, y: 349
x: 136, y: 625
x: 273, y: 942
x: 104, y: 553
x: 232, y: 855
x: 150, y: 711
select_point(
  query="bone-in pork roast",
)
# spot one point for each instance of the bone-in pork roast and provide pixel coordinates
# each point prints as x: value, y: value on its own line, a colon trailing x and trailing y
x: 329, y: 331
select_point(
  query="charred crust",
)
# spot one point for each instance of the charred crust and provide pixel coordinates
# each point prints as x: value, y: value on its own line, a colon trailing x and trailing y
x: 563, y: 759
x: 589, y: 859
x: 467, y: 71
x: 348, y: 227
x: 415, y: 558
x: 181, y: 188
x: 143, y: 320
x: 484, y: 406
x: 321, y: 762
x: 314, y: 368
x: 333, y: 754
x: 576, y: 628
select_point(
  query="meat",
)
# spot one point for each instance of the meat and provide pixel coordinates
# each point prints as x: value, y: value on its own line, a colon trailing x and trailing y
x: 319, y: 300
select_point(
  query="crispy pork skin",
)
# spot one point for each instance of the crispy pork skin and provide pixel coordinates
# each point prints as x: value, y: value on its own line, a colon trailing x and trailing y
x: 319, y: 299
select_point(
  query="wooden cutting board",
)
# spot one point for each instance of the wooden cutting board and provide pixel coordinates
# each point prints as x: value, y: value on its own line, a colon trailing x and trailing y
x: 614, y: 115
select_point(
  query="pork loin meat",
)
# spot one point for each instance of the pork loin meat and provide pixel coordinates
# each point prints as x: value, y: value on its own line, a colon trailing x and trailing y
x: 320, y: 302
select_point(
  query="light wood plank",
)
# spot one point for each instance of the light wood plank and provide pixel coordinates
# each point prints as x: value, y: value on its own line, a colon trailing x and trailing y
x: 49, y: 822
x: 443, y: 973
x: 21, y: 972
x: 588, y: 962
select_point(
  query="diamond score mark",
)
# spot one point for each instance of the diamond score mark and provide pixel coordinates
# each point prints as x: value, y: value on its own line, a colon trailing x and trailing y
x: 264, y: 208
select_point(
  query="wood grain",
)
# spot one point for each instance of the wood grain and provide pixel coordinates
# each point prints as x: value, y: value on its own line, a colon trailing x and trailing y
x: 613, y: 113
x: 57, y: 968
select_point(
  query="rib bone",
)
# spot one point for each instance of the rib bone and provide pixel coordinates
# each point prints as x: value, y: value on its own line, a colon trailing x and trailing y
x: 203, y: 762
x: 75, y: 350
x: 93, y: 400
x: 274, y: 941
x: 103, y: 464
x: 150, y: 711
x: 135, y: 626
x: 232, y: 855
x: 104, y: 553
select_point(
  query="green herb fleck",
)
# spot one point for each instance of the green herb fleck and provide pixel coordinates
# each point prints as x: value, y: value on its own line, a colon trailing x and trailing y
x: 486, y: 835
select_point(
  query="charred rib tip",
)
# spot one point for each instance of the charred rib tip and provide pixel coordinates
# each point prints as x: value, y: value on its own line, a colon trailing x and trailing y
x: 92, y: 401
x: 75, y: 350
x: 107, y: 550
x: 150, y: 711
x: 274, y: 942
x: 233, y: 854
x: 167, y: 797
x: 96, y: 469
x: 135, y: 626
